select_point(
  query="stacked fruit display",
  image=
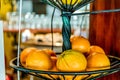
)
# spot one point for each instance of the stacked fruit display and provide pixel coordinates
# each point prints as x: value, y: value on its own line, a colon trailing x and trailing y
x: 82, y: 57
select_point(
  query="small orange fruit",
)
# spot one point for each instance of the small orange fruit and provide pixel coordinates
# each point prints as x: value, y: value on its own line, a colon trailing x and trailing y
x: 54, y: 60
x: 73, y: 37
x: 71, y: 60
x: 80, y: 43
x: 25, y: 53
x: 49, y: 51
x: 39, y: 60
x: 95, y: 48
x: 97, y: 61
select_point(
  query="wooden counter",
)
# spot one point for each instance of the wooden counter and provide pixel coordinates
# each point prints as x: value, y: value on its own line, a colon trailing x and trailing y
x: 33, y: 30
x: 57, y: 47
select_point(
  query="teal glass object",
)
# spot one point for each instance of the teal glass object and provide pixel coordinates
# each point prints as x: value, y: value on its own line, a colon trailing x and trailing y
x: 66, y: 31
x: 67, y: 8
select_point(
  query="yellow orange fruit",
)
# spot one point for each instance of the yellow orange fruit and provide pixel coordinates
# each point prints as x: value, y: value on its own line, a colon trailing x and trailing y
x: 25, y: 53
x: 71, y: 1
x: 71, y: 60
x: 95, y: 48
x: 54, y: 60
x: 80, y: 43
x: 97, y: 61
x: 49, y: 51
x: 39, y: 60
x: 73, y: 37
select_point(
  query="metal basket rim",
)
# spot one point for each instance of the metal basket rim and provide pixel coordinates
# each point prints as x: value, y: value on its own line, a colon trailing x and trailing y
x: 20, y: 68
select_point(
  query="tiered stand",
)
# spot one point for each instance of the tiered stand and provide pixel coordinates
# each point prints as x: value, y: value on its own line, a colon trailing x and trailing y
x: 67, y: 12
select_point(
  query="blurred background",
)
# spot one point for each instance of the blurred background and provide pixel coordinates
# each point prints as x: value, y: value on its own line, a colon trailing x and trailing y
x: 101, y: 29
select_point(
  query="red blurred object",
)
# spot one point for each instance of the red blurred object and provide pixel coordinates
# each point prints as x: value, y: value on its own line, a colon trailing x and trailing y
x: 8, y: 77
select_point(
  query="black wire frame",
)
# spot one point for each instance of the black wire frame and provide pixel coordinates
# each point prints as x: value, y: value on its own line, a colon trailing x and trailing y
x: 94, y: 12
x: 115, y: 67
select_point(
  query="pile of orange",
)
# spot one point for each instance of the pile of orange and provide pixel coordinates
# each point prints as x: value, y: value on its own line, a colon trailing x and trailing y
x: 82, y: 57
x: 95, y: 55
x: 39, y: 59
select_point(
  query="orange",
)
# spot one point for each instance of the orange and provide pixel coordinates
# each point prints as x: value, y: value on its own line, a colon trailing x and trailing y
x: 39, y: 60
x: 54, y: 60
x: 97, y: 61
x: 25, y: 53
x: 80, y: 43
x: 73, y: 37
x: 95, y: 48
x: 49, y: 51
x: 71, y: 60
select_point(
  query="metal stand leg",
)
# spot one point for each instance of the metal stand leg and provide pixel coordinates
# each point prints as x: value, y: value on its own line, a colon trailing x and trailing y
x: 2, y: 57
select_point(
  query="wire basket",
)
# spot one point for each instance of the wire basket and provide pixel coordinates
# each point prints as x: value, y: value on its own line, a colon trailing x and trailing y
x: 114, y: 67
